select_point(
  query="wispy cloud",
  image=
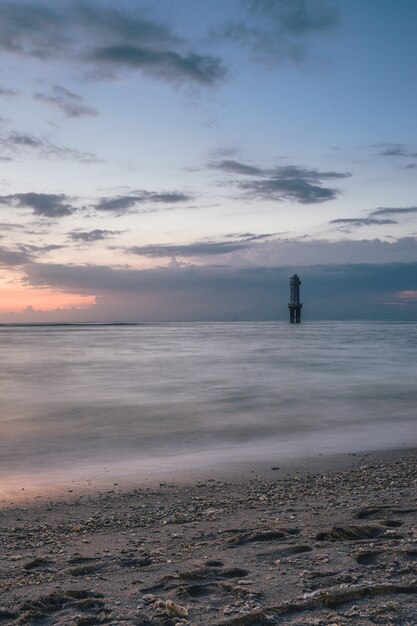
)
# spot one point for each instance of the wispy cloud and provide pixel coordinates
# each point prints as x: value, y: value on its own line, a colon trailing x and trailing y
x: 247, y: 237
x: 120, y: 205
x: 357, y: 222
x: 297, y: 16
x: 17, y: 143
x: 278, y: 30
x: 93, y: 235
x: 66, y: 101
x: 198, y: 249
x: 75, y: 31
x: 395, y: 150
x: 166, y: 64
x: 13, y: 258
x: 291, y: 182
x: 230, y: 166
x: 281, y: 171
x: 8, y: 93
x: 34, y: 249
x: 398, y: 211
x: 378, y: 217
x: 293, y: 190
x: 43, y: 204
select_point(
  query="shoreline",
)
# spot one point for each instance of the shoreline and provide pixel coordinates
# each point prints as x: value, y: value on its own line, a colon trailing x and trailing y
x: 327, y: 540
x: 21, y: 492
x: 25, y: 488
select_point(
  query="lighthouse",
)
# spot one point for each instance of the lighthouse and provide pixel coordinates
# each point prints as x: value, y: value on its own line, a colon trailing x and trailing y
x: 294, y: 303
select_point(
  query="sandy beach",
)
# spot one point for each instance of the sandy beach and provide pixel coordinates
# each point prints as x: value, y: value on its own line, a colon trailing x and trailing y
x: 323, y: 542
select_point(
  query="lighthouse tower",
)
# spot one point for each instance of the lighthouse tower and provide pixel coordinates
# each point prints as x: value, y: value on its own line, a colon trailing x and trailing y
x: 295, y: 304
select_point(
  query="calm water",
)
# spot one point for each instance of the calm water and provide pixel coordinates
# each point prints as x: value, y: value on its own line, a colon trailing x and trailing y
x: 77, y: 401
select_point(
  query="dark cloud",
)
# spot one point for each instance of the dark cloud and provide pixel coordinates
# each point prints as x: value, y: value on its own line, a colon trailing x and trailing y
x: 93, y: 235
x: 305, y: 252
x: 395, y: 211
x: 24, y: 139
x: 44, y: 204
x: 35, y: 250
x: 18, y: 142
x: 283, y: 171
x: 169, y: 65
x: 120, y: 205
x: 8, y: 226
x: 297, y: 16
x: 306, y: 173
x: 361, y: 221
x: 278, y: 30
x: 76, y: 30
x: 22, y: 26
x: 378, y: 217
x: 13, y: 258
x: 198, y: 249
x: 8, y: 93
x: 209, y: 293
x: 288, y: 182
x: 291, y: 189
x: 395, y: 149
x: 235, y: 167
x: 247, y: 237
x: 69, y: 103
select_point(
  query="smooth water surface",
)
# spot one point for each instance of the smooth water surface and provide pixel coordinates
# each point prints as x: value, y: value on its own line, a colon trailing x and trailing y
x: 76, y: 400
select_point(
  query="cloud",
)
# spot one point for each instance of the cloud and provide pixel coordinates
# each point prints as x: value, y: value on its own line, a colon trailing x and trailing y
x: 10, y: 227
x: 76, y: 30
x: 290, y: 189
x: 32, y: 249
x: 209, y: 293
x: 282, y: 171
x: 361, y: 221
x: 13, y: 258
x: 120, y: 205
x: 288, y: 182
x: 395, y: 211
x: 247, y: 237
x: 378, y: 217
x: 18, y: 142
x: 69, y: 103
x: 8, y: 93
x: 282, y: 30
x: 93, y: 235
x: 303, y: 252
x: 44, y: 204
x: 395, y: 149
x: 198, y: 249
x: 297, y: 16
x: 166, y: 64
x: 235, y: 167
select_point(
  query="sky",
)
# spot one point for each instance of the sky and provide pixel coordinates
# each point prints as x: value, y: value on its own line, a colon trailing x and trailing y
x: 180, y: 160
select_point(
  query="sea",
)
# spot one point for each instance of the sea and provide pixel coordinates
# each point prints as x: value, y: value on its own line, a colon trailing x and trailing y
x: 86, y: 402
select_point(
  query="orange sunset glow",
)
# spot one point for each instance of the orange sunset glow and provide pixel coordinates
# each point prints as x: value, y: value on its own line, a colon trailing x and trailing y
x: 19, y: 298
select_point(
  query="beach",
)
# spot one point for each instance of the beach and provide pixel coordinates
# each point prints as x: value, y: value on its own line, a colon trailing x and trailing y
x: 321, y: 541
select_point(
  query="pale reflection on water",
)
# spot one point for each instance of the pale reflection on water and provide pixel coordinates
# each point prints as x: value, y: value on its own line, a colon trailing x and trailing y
x: 78, y: 399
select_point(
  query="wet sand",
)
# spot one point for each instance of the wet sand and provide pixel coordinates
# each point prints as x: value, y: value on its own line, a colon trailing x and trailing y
x: 328, y: 541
